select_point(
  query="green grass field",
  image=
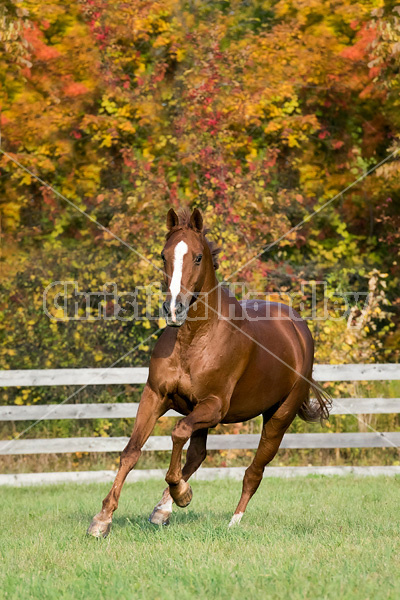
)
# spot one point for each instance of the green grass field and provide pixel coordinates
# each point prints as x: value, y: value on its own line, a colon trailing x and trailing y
x: 310, y: 537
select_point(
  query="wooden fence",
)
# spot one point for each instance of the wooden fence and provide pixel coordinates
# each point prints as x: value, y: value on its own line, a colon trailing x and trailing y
x: 85, y: 377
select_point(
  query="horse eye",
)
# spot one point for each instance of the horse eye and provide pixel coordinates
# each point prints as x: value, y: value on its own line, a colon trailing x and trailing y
x: 198, y: 258
x: 163, y: 256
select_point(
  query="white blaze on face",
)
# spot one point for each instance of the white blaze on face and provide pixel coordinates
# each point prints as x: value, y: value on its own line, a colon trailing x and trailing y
x: 175, y: 285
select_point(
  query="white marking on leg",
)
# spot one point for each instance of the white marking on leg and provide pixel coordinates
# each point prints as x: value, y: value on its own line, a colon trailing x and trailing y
x: 166, y: 506
x: 237, y: 517
x: 175, y: 285
x: 163, y: 510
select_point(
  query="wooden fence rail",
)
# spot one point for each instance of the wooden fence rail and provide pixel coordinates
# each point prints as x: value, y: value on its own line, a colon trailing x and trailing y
x: 126, y: 410
x: 86, y: 377
x: 214, y: 442
x: 136, y: 375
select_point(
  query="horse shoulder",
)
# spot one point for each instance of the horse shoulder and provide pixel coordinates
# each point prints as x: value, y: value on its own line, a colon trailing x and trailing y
x: 164, y: 363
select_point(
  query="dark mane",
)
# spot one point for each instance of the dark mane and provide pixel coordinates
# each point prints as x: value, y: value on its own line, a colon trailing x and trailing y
x: 184, y: 223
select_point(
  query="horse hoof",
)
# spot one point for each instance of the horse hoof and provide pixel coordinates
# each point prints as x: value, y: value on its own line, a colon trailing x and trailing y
x: 99, y: 529
x: 181, y: 493
x: 159, y: 517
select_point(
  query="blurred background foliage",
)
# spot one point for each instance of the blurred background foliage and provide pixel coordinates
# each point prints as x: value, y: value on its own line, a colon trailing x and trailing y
x: 256, y: 112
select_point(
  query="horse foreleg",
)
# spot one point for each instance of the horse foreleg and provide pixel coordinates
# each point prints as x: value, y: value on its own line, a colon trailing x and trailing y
x: 204, y: 415
x: 195, y: 455
x: 151, y: 407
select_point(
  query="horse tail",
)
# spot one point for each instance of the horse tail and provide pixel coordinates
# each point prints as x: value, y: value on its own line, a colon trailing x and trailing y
x: 317, y: 409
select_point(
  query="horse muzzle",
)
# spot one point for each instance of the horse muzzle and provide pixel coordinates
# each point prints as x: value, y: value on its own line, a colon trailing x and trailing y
x: 175, y: 316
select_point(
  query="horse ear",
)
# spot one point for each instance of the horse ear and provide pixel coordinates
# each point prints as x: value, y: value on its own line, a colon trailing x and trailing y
x: 196, y: 220
x: 172, y: 219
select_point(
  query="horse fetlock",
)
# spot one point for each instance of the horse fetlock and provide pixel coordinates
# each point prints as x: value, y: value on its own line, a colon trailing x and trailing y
x: 181, y: 493
x: 99, y: 527
x: 172, y: 479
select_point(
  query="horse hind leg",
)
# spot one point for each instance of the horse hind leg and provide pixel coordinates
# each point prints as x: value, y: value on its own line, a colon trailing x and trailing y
x: 195, y: 456
x: 272, y: 433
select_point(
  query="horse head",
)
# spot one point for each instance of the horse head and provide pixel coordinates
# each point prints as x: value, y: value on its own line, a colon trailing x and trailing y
x: 189, y: 263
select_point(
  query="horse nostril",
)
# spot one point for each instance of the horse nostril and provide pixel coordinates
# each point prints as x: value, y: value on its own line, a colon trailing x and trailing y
x: 179, y: 308
x: 166, y: 309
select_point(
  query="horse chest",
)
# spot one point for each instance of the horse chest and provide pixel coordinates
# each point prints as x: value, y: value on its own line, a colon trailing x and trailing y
x: 181, y: 393
x: 184, y: 387
x: 182, y: 380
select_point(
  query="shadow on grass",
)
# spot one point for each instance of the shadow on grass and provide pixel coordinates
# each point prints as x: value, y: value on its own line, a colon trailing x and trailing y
x: 142, y: 520
x: 204, y: 525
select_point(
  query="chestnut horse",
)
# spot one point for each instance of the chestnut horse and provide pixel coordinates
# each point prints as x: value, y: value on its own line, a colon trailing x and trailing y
x: 218, y: 361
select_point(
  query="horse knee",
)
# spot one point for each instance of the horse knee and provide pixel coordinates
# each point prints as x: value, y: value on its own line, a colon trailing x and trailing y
x: 181, y: 433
